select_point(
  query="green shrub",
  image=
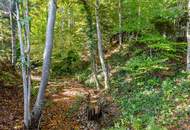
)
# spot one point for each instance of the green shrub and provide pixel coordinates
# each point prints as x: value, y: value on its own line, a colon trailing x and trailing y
x: 67, y: 63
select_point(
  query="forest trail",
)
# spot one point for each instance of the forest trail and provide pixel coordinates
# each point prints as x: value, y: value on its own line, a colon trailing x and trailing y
x: 66, y: 104
x: 64, y: 98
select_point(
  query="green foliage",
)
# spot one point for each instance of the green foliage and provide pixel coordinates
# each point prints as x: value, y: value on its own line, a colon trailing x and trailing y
x: 74, y: 108
x: 144, y: 65
x: 67, y: 63
x: 34, y: 91
x: 116, y: 129
x: 154, y: 99
x: 148, y: 81
x: 145, y: 83
x: 153, y: 126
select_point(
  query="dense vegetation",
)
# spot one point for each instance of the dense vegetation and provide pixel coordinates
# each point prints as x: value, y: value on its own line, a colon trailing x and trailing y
x: 144, y: 50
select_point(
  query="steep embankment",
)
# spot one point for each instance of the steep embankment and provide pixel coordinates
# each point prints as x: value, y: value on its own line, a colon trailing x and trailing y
x: 149, y: 81
x: 11, y: 104
x: 8, y: 75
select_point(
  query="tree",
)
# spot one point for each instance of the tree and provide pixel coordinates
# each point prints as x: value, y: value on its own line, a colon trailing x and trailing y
x: 8, y: 11
x: 24, y: 69
x: 120, y: 23
x: 100, y: 47
x: 188, y: 38
x: 13, y: 31
x: 91, y: 41
x: 31, y: 121
x: 37, y: 110
x: 27, y: 32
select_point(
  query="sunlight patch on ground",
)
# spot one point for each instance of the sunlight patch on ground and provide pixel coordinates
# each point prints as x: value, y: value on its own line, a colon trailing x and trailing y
x: 18, y: 127
x: 36, y: 78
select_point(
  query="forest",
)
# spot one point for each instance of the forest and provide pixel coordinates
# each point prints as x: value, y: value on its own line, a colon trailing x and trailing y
x: 95, y: 64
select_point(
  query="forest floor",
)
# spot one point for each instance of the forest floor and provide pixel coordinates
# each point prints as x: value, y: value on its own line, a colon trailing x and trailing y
x: 11, y: 108
x: 64, y: 97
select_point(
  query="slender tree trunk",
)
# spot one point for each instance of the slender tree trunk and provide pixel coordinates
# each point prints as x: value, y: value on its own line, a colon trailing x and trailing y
x: 37, y: 110
x: 139, y: 18
x: 100, y: 47
x: 120, y: 24
x: 70, y: 24
x: 23, y: 61
x: 188, y: 38
x: 27, y: 29
x: 13, y: 32
x: 2, y: 42
x: 62, y: 21
x: 91, y: 42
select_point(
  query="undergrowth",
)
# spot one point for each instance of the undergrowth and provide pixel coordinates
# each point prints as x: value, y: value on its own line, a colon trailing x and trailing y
x: 8, y: 75
x: 150, y: 84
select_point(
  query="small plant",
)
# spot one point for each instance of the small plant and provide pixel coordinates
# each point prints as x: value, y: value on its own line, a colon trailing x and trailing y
x: 75, y: 107
x: 153, y: 126
x: 34, y: 91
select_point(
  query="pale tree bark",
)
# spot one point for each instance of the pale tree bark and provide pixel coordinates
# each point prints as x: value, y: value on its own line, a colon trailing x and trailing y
x: 2, y: 42
x: 188, y: 38
x: 100, y: 47
x: 33, y: 122
x: 91, y: 42
x: 62, y: 21
x: 27, y: 29
x: 37, y: 110
x: 13, y: 31
x: 120, y: 24
x: 23, y: 61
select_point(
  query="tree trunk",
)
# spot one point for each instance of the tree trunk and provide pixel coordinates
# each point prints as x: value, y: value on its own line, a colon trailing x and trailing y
x: 139, y: 19
x: 23, y: 61
x: 91, y: 42
x: 188, y: 39
x: 37, y: 110
x: 120, y: 24
x: 100, y: 48
x: 13, y: 32
x: 27, y: 29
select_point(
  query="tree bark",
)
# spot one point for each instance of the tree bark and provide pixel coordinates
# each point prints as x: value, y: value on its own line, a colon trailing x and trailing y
x: 27, y: 29
x: 91, y: 42
x: 100, y: 47
x: 37, y: 110
x: 23, y: 61
x: 13, y: 32
x: 188, y: 38
x: 120, y: 24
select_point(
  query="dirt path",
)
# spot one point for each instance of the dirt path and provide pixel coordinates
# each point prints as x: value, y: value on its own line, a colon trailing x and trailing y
x: 63, y: 99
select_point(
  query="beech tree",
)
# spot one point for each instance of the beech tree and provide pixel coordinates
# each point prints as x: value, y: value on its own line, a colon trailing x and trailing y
x: 8, y: 11
x: 13, y: 30
x: 91, y: 41
x: 100, y: 47
x: 120, y: 23
x: 27, y: 37
x: 37, y: 110
x: 188, y: 38
x: 32, y: 121
x: 24, y: 69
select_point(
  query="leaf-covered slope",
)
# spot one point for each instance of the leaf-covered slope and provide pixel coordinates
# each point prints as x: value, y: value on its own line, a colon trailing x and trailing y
x: 8, y: 76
